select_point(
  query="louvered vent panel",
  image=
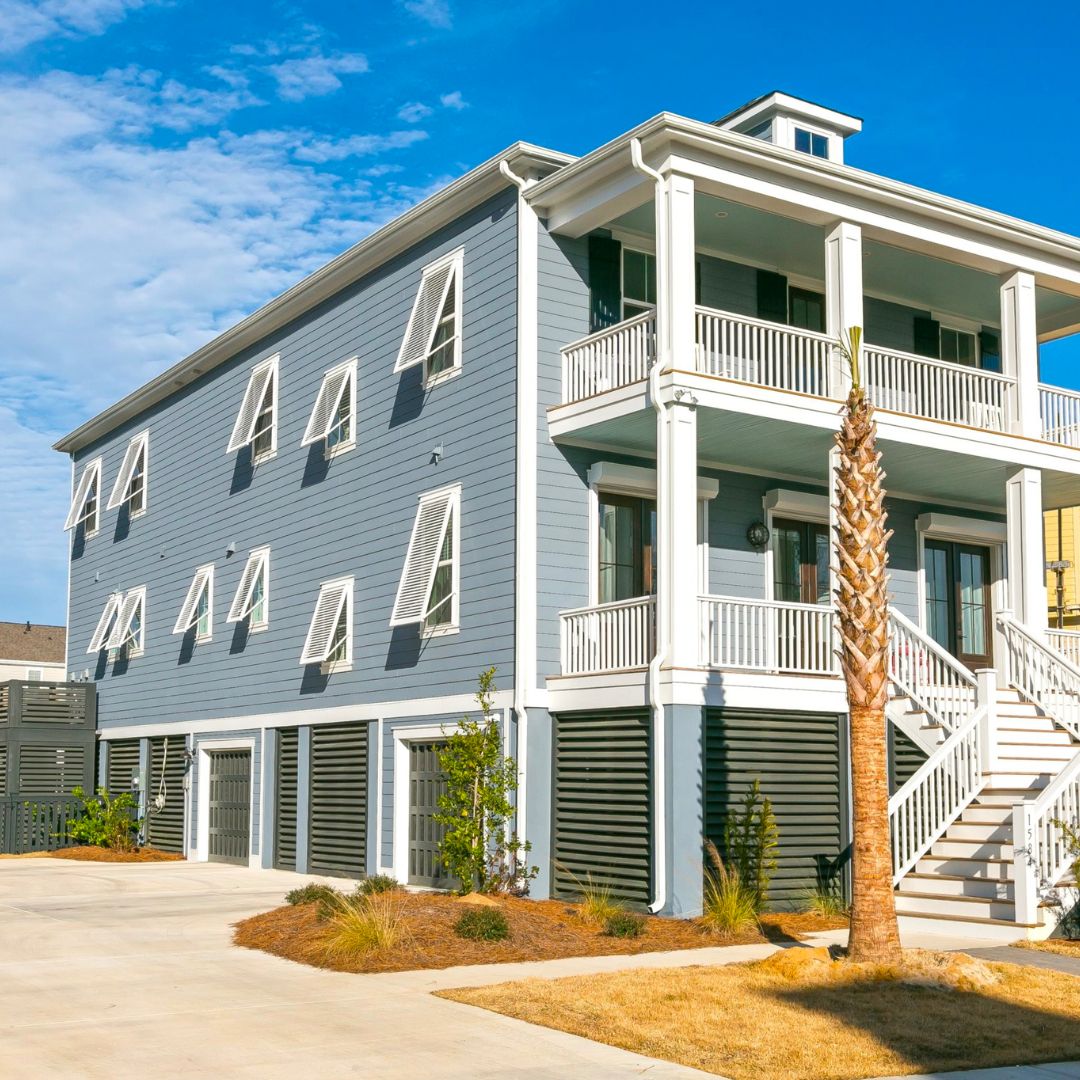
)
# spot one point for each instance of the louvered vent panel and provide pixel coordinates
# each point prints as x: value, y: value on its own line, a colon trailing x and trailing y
x: 285, y: 819
x: 49, y: 703
x: 339, y: 795
x: 165, y: 827
x: 50, y: 770
x: 122, y: 763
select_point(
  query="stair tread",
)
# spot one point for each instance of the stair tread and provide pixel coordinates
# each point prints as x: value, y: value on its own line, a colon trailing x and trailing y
x: 985, y: 919
x: 959, y: 897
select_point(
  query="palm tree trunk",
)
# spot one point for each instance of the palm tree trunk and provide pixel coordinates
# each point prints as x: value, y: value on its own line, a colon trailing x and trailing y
x: 862, y: 605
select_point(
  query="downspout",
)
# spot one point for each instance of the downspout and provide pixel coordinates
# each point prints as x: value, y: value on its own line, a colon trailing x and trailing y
x: 662, y: 644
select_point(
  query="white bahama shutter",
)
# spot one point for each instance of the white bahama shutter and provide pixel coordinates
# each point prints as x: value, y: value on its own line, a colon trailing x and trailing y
x: 131, y: 605
x: 188, y: 611
x: 101, y: 633
x: 335, y: 385
x: 258, y: 564
x: 435, y: 282
x: 421, y: 561
x: 244, y: 428
x: 333, y: 598
x: 91, y: 475
x: 135, y: 450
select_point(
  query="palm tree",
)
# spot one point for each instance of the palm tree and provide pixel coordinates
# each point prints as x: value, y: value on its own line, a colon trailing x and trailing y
x: 862, y: 606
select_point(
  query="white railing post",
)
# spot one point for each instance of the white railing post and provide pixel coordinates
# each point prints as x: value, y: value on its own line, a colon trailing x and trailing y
x: 986, y: 701
x: 1025, y: 865
x: 1020, y: 349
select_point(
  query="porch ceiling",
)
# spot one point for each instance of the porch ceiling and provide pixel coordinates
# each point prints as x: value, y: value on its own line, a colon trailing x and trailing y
x: 737, y: 441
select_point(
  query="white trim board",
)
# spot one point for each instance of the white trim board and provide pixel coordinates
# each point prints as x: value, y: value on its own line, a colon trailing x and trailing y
x: 402, y: 736
x: 636, y: 480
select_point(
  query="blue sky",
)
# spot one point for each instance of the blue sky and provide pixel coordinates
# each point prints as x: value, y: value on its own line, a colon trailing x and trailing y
x: 166, y: 167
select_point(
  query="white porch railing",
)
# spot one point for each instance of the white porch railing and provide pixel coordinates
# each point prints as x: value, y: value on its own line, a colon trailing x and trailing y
x: 617, y: 356
x: 935, y: 796
x: 763, y: 635
x: 1066, y: 642
x: 1060, y: 410
x: 934, y: 679
x: 608, y: 637
x: 1042, y: 675
x: 937, y: 389
x: 766, y: 353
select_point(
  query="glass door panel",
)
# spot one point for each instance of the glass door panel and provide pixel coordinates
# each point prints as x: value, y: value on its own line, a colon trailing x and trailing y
x: 958, y: 603
x: 626, y: 548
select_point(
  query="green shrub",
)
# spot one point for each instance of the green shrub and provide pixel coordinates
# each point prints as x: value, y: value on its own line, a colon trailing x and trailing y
x: 729, y: 908
x: 105, y: 822
x: 377, y: 883
x: 482, y: 924
x: 314, y: 893
x: 624, y: 924
x: 750, y: 840
x: 370, y: 924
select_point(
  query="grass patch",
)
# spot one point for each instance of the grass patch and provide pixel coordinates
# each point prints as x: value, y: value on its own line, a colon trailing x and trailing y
x: 598, y: 903
x: 624, y: 924
x: 482, y: 924
x: 729, y: 906
x: 793, y: 1020
x: 1060, y: 946
x: 359, y: 927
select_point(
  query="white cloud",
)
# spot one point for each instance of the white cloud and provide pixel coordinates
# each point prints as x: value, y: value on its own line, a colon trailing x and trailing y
x: 23, y: 22
x: 413, y: 112
x: 315, y: 75
x: 433, y: 12
x: 133, y: 231
x: 453, y: 100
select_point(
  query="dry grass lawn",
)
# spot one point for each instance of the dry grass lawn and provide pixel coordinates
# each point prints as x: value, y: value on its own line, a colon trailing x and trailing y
x: 777, y: 1020
x: 1061, y: 946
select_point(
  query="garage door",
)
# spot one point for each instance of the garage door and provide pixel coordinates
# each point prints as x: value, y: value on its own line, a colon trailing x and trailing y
x: 285, y: 812
x: 230, y: 806
x: 796, y: 757
x: 602, y: 815
x: 165, y: 794
x: 426, y: 784
x: 339, y: 795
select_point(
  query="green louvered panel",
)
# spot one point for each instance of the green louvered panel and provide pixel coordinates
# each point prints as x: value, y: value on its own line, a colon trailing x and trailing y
x: 229, y: 825
x: 51, y: 770
x: 121, y: 765
x: 339, y: 795
x: 165, y: 826
x: 602, y: 814
x: 905, y: 758
x: 797, y: 759
x: 288, y: 740
x: 3, y: 769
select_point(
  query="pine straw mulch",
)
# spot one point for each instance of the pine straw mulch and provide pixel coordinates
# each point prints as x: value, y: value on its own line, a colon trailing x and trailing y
x: 1061, y: 946
x: 539, y: 930
x: 92, y: 853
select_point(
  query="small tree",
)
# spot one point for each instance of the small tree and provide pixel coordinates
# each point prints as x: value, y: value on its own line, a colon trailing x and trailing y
x: 750, y: 840
x: 105, y: 822
x: 478, y: 847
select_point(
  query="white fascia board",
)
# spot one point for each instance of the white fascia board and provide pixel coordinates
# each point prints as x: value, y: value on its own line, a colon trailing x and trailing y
x: 779, y: 102
x: 445, y: 206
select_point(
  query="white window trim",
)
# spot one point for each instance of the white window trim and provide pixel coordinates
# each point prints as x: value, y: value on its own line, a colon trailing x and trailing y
x: 456, y: 261
x: 241, y: 605
x: 202, y: 842
x: 90, y: 476
x: 203, y: 581
x: 244, y: 434
x: 327, y: 667
x: 121, y: 491
x: 452, y: 512
x: 454, y: 625
x: 403, y: 735
x: 348, y: 392
x: 120, y: 636
x: 103, y: 630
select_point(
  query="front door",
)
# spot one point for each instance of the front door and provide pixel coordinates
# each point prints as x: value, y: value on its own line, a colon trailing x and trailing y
x: 230, y: 806
x: 626, y: 548
x: 800, y: 562
x: 958, y: 605
x: 426, y: 784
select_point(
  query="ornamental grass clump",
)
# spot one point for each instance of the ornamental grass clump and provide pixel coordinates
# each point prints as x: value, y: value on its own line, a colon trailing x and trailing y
x: 729, y: 907
x: 624, y: 924
x: 377, y: 883
x: 370, y: 924
x: 597, y: 903
x: 482, y: 924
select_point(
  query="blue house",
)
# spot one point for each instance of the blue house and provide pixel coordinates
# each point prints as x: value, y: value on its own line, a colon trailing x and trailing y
x: 574, y: 418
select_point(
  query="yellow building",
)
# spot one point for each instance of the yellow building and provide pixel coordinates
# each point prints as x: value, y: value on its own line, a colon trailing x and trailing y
x: 1061, y: 530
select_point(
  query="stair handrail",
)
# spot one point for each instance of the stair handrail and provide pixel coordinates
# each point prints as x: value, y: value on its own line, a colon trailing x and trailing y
x: 1041, y: 854
x: 1042, y: 674
x: 934, y: 679
x: 938, y: 792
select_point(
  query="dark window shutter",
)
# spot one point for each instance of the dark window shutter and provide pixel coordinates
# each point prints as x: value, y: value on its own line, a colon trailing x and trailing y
x: 605, y: 282
x: 927, y: 337
x: 697, y: 282
x: 772, y: 296
x: 989, y: 349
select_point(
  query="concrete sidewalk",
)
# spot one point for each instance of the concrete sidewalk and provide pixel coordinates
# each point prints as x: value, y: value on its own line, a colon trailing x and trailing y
x: 1062, y: 1070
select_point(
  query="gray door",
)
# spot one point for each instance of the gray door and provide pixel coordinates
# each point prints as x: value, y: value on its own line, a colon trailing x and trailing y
x: 230, y: 805
x: 426, y: 784
x: 602, y: 820
x: 165, y: 825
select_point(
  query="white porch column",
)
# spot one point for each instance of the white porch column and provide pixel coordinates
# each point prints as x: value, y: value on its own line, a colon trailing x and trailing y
x: 675, y: 273
x: 1020, y: 350
x: 1026, y: 569
x: 843, y: 295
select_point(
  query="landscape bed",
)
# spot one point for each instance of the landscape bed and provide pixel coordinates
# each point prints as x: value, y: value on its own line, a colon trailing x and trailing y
x: 539, y: 930
x: 830, y: 1021
x: 93, y: 853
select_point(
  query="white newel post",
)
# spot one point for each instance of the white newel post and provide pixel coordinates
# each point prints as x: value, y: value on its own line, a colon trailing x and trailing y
x: 1020, y: 350
x: 986, y: 695
x: 843, y: 296
x: 1025, y: 871
x: 1026, y: 566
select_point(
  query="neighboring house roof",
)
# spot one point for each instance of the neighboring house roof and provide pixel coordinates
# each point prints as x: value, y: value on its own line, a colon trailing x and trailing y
x: 450, y: 202
x: 34, y: 644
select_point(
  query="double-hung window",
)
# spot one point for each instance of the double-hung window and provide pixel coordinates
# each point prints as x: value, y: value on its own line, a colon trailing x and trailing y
x: 333, y: 419
x: 83, y: 512
x: 638, y: 282
x: 122, y: 625
x: 428, y: 591
x: 433, y: 334
x: 130, y: 487
x: 959, y: 347
x: 252, y: 599
x: 811, y: 142
x: 256, y: 422
x: 197, y: 611
x: 329, y: 637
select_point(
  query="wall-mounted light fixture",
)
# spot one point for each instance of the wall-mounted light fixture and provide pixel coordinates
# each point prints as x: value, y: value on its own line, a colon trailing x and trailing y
x: 230, y: 548
x: 437, y: 454
x: 758, y: 535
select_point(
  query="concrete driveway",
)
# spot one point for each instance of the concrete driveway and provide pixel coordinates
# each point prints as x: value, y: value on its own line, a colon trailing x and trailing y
x: 114, y: 970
